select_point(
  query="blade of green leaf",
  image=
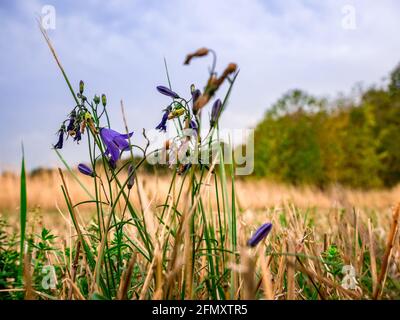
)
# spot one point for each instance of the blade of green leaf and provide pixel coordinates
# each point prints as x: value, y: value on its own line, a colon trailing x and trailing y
x: 23, y: 213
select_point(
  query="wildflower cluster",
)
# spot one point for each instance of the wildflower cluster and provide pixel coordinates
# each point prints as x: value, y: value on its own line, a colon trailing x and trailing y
x: 183, y: 153
x: 185, y: 149
x: 186, y: 113
x: 86, y: 116
x: 79, y: 118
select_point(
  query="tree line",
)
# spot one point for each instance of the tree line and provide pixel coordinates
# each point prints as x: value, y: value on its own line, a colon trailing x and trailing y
x: 353, y: 141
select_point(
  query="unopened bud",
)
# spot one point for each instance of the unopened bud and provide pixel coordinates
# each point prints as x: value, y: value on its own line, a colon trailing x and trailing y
x: 104, y: 100
x: 81, y: 86
x: 96, y: 99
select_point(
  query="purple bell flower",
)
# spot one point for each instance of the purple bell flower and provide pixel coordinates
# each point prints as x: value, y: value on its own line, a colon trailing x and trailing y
x: 162, y: 126
x: 168, y: 92
x: 78, y: 136
x: 71, y: 124
x: 60, y: 141
x: 260, y: 234
x: 115, y: 143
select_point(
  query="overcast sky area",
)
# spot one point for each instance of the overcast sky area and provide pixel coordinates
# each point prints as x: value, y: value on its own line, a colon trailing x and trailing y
x: 117, y: 47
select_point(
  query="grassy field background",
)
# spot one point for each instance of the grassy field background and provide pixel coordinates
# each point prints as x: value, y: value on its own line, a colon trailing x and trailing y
x: 315, y: 233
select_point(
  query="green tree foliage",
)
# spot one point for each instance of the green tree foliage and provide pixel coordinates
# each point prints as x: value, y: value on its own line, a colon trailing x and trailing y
x: 306, y: 140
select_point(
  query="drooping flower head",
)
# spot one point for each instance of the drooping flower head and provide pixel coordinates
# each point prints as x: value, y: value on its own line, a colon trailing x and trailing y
x: 60, y: 141
x: 168, y: 92
x: 71, y: 124
x: 78, y: 135
x: 162, y: 126
x: 215, y: 112
x: 115, y: 143
x: 260, y: 234
x: 86, y: 170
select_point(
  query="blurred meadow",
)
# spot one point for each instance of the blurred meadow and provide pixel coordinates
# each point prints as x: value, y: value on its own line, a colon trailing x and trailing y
x: 84, y: 215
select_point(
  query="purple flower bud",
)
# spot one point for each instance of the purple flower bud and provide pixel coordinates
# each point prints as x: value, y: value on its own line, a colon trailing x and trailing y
x: 195, y: 95
x: 260, y: 234
x: 215, y: 112
x: 84, y: 169
x: 168, y: 92
x: 131, y: 176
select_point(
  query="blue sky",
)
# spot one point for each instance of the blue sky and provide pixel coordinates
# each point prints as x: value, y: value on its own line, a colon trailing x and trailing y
x: 117, y: 47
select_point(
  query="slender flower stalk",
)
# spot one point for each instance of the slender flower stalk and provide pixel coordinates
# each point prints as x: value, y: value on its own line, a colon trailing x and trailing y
x: 261, y: 233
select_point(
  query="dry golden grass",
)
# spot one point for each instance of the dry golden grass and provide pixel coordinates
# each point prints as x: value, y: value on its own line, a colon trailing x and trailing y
x: 340, y: 217
x: 44, y: 193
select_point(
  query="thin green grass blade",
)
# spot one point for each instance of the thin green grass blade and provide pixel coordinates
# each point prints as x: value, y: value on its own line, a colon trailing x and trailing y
x: 233, y: 196
x: 23, y: 213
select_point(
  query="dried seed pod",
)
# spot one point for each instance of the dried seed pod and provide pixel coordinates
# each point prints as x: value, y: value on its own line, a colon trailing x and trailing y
x: 198, y: 53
